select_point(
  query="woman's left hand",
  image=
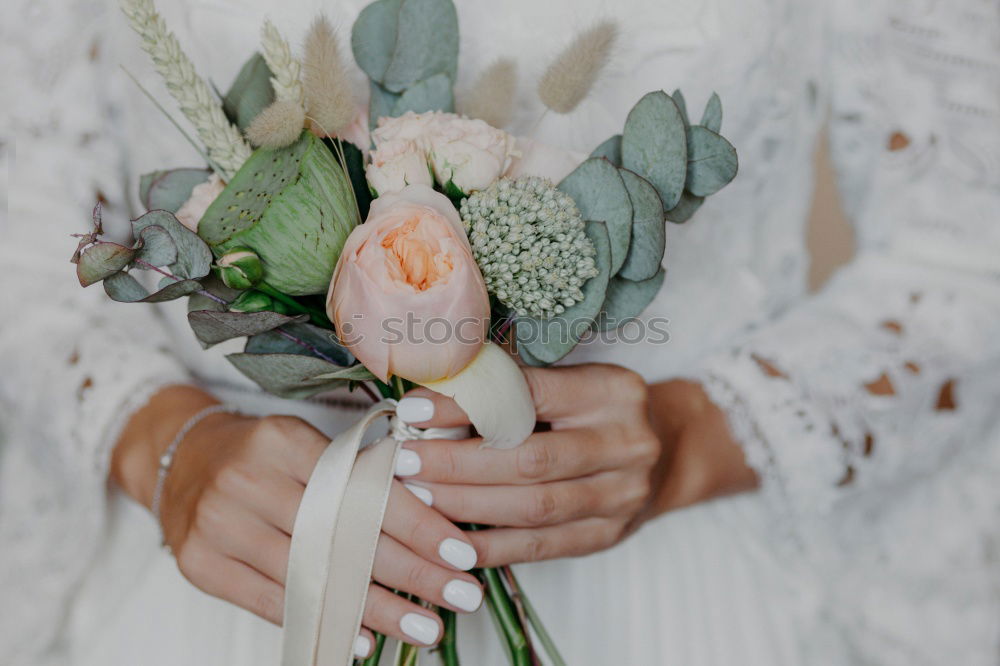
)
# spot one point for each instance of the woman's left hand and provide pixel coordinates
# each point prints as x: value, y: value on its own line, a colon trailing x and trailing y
x: 579, y: 487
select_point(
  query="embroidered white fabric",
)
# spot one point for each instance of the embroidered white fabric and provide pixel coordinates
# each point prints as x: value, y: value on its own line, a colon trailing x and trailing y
x: 870, y: 410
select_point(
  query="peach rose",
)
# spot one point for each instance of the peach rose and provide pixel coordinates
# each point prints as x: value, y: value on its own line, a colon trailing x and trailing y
x: 407, y: 296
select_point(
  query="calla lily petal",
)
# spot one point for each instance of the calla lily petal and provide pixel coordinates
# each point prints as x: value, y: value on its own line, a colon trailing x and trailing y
x: 494, y: 393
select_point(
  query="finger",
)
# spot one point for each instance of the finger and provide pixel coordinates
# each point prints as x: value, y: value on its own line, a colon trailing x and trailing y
x: 428, y: 409
x: 544, y: 456
x: 392, y: 615
x: 510, y: 545
x: 242, y: 535
x: 276, y: 500
x: 399, y: 568
x: 233, y: 581
x: 364, y: 643
x: 426, y: 532
x: 560, y: 394
x: 606, y: 494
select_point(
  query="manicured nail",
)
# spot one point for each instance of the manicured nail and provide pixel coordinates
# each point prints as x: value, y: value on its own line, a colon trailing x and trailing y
x: 463, y: 594
x: 419, y: 627
x: 458, y: 554
x: 415, y: 410
x: 407, y: 463
x: 423, y: 494
x: 362, y: 646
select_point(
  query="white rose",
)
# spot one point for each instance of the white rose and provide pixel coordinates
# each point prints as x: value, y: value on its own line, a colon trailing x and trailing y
x: 202, y: 196
x: 408, y: 127
x: 396, y: 164
x: 468, y: 152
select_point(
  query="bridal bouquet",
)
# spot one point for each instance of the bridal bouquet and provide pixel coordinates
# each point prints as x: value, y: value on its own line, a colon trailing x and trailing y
x: 430, y: 250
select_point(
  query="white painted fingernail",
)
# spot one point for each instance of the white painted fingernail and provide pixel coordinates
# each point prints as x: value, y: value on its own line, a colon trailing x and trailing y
x: 419, y: 627
x: 463, y: 594
x: 415, y: 410
x: 362, y: 646
x: 407, y: 463
x: 458, y: 554
x: 423, y: 494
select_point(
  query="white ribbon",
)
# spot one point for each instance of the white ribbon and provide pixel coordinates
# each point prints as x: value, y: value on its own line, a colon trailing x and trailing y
x: 334, y: 539
x: 333, y: 546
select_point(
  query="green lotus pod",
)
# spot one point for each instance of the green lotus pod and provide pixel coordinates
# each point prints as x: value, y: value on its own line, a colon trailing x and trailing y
x: 240, y: 268
x: 293, y: 207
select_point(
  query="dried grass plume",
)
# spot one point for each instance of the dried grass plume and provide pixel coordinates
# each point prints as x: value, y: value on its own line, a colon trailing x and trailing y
x: 277, y: 126
x: 570, y: 77
x: 329, y: 102
x: 491, y: 97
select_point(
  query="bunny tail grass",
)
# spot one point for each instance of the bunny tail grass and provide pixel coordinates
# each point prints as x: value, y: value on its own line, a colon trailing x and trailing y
x: 278, y: 125
x: 223, y: 142
x: 329, y: 102
x: 285, y: 69
x: 570, y: 77
x: 491, y: 97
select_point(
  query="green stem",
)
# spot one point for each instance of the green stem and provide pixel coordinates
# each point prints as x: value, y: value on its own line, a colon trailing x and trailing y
x: 448, y: 647
x: 317, y: 316
x: 536, y: 621
x: 520, y: 652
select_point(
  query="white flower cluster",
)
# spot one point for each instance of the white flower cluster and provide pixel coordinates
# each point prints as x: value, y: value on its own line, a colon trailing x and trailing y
x: 529, y: 241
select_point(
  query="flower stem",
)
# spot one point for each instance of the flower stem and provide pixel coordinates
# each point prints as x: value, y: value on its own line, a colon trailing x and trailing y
x: 448, y: 648
x: 317, y: 316
x: 506, y: 615
x: 377, y: 653
x: 536, y: 621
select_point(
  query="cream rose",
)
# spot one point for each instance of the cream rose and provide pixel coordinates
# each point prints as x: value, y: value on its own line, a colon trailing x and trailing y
x: 396, y: 164
x: 202, y: 196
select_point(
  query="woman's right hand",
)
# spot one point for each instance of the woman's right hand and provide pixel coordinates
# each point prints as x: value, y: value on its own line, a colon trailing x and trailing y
x: 228, y: 509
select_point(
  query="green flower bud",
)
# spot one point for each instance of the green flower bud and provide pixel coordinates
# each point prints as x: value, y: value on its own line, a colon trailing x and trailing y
x: 252, y: 301
x: 240, y: 268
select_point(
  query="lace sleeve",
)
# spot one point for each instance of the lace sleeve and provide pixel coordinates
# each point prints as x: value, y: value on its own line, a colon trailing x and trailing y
x: 74, y: 365
x: 892, y: 369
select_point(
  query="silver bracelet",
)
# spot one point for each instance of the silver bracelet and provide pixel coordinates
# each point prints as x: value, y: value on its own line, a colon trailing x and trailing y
x: 167, y: 458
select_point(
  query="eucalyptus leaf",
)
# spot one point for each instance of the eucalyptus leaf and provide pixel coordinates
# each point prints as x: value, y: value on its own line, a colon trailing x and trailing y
x: 102, y: 260
x: 156, y: 247
x: 611, y: 150
x: 401, y: 42
x: 168, y: 190
x: 549, y: 340
x: 124, y: 288
x: 194, y: 259
x: 712, y: 162
x: 433, y: 94
x: 600, y: 194
x: 214, y: 286
x: 355, y: 373
x: 645, y: 252
x: 304, y: 339
x: 381, y: 103
x: 685, y: 208
x: 712, y: 118
x: 528, y: 359
x: 626, y: 299
x: 654, y: 145
x: 212, y: 327
x: 250, y: 93
x: 679, y: 100
x: 287, y: 375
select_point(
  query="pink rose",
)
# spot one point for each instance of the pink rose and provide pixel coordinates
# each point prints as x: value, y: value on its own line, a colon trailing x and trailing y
x: 407, y: 296
x: 202, y: 196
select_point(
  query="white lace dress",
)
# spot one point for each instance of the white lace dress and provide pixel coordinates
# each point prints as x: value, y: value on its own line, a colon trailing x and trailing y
x: 870, y: 410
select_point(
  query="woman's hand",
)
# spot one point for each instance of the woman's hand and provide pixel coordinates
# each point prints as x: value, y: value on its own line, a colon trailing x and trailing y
x: 229, y: 506
x: 617, y: 453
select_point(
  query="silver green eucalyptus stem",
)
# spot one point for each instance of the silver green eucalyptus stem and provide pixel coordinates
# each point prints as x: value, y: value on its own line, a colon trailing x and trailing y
x: 223, y: 142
